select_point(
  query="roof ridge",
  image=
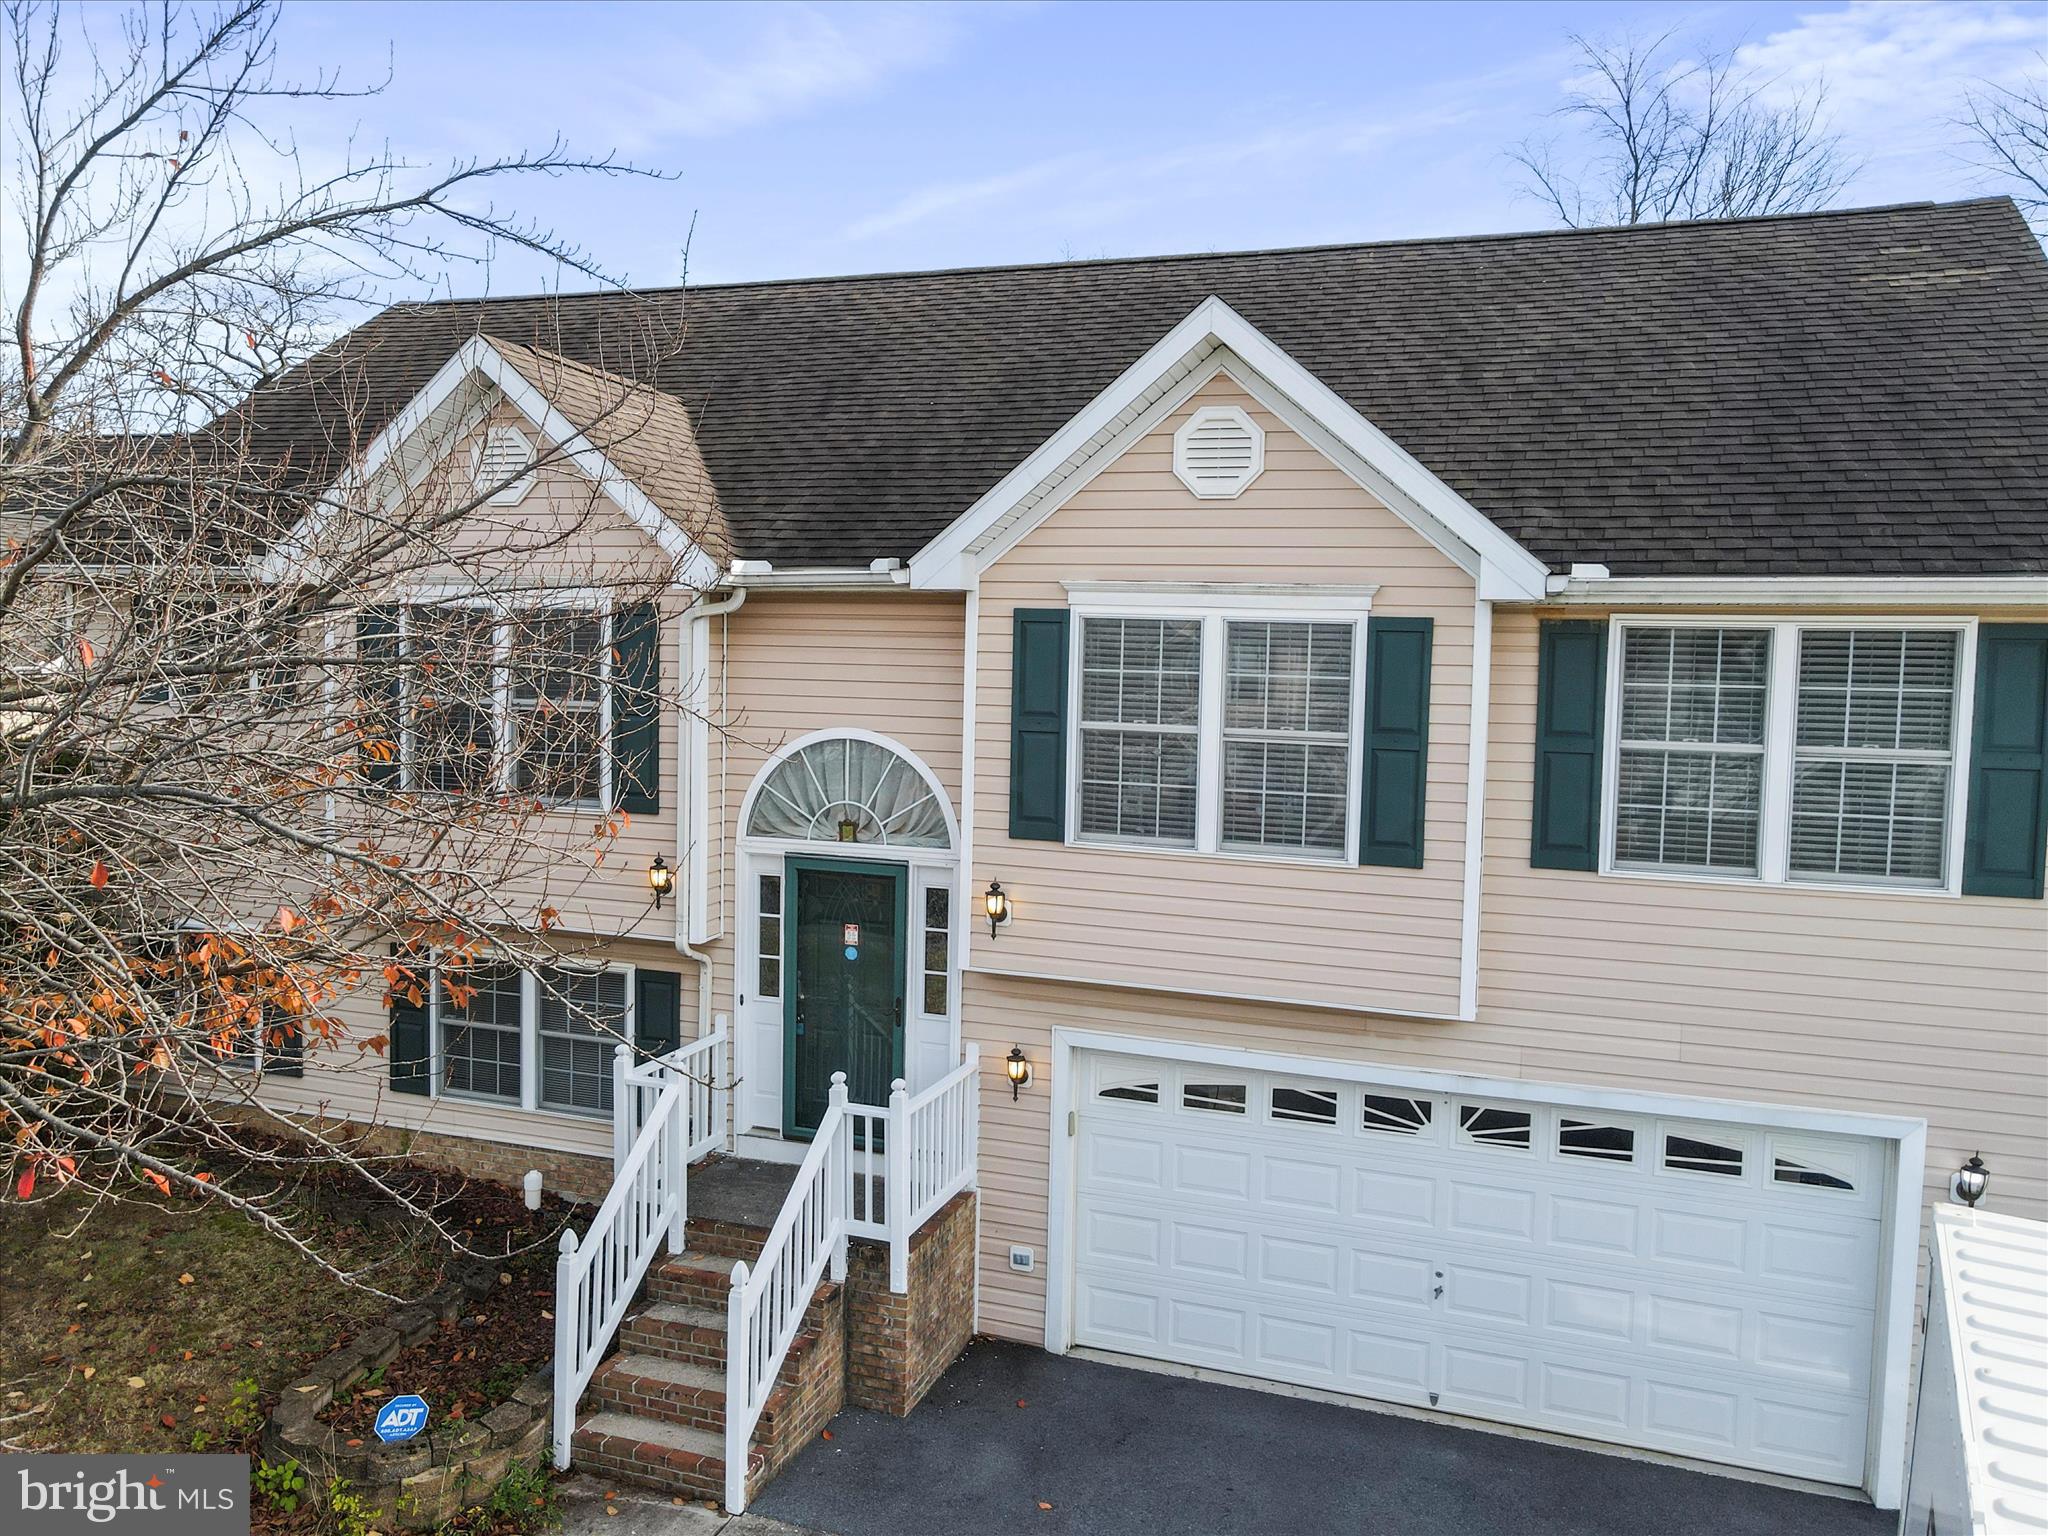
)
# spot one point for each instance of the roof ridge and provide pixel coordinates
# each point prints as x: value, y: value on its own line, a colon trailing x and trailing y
x: 1593, y: 231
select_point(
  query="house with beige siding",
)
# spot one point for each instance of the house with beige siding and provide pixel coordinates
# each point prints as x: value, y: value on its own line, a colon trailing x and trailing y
x: 1452, y: 823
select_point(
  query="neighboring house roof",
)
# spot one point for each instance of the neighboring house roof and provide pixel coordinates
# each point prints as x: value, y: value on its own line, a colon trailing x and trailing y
x: 1851, y: 393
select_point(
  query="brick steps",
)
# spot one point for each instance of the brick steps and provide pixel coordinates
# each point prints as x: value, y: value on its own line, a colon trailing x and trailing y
x: 655, y: 1410
x: 675, y: 1457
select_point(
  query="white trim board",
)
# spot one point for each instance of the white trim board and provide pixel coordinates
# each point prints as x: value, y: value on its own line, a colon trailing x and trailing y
x: 1884, y: 1471
x: 1802, y: 591
x: 477, y: 357
x: 1215, y: 339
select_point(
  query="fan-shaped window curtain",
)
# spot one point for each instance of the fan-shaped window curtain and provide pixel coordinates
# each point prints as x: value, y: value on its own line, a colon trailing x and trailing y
x: 849, y: 791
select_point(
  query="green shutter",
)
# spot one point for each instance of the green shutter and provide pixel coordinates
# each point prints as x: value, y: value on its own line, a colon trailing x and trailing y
x: 407, y: 1047
x: 284, y: 1045
x: 2007, y: 825
x: 1396, y: 741
x: 657, y: 1011
x: 636, y: 710
x: 377, y: 683
x: 1038, y: 725
x: 1571, y: 703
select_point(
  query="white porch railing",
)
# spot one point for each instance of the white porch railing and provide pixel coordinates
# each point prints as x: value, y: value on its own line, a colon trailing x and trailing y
x: 871, y: 1172
x: 666, y: 1113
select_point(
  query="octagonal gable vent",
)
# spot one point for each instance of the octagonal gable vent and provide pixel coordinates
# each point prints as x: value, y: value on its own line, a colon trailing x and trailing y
x: 1219, y: 451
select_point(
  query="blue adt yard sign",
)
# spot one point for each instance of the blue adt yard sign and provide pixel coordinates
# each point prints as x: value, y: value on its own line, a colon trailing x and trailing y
x: 401, y: 1418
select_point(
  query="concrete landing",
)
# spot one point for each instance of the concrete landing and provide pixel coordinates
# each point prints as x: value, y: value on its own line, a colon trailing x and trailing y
x: 739, y: 1190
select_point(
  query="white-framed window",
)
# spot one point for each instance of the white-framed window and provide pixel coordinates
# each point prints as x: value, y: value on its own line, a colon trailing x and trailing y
x: 935, y: 953
x: 516, y: 701
x: 535, y: 1040
x: 1820, y: 750
x: 768, y: 937
x: 1222, y: 723
x: 1139, y: 726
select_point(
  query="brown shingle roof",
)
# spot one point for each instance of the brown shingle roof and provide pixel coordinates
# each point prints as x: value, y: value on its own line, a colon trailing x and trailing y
x: 1854, y: 392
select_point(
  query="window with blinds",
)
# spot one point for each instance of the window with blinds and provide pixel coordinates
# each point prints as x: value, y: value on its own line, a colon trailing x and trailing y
x: 1787, y: 751
x: 1140, y: 717
x: 1690, y: 775
x: 1287, y: 735
x: 480, y: 1031
x: 582, y: 1019
x: 1874, y: 754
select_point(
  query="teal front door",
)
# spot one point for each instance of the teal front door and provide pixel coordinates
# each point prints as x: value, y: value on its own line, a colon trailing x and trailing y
x: 843, y: 924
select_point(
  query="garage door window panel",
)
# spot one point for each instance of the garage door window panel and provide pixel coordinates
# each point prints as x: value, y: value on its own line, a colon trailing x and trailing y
x: 1219, y: 1098
x: 1392, y: 1115
x: 1305, y: 1106
x: 1489, y: 1126
x: 1595, y: 1141
x: 1696, y: 1154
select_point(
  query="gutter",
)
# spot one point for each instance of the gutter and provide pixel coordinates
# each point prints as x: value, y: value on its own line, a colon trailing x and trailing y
x: 690, y: 785
x: 880, y: 575
x: 1593, y: 587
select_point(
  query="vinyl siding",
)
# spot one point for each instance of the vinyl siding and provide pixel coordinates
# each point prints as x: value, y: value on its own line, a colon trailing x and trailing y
x: 1323, y: 932
x: 1890, y: 1003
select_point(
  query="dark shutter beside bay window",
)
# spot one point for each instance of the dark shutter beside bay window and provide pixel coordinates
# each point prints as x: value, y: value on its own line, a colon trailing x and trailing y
x: 408, y: 1047
x: 657, y: 1011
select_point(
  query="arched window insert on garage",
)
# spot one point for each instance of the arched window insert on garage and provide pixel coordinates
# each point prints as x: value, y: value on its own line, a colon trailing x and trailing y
x: 847, y: 790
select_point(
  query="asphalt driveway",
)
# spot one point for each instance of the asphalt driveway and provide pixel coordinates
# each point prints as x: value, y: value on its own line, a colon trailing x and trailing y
x: 1009, y: 1430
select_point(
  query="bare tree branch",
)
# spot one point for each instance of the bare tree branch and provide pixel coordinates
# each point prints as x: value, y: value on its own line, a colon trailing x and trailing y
x: 1655, y: 135
x: 2006, y: 133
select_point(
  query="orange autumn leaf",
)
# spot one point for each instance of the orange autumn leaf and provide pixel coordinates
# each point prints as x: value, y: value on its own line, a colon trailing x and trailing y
x: 163, y: 1184
x: 26, y: 1184
x: 99, y: 874
x: 287, y: 919
x: 86, y: 654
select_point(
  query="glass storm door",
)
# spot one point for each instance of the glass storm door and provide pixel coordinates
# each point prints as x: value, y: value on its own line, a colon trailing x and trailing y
x: 843, y: 924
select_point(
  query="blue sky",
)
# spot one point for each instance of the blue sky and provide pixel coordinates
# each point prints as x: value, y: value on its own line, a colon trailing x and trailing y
x: 848, y: 138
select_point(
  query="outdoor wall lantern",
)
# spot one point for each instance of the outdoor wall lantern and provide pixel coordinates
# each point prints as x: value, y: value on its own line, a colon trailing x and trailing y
x: 1018, y: 1065
x: 660, y: 880
x: 997, y: 904
x: 1968, y: 1182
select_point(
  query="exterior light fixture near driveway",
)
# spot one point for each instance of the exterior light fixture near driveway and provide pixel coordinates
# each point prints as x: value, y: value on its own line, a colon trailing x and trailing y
x: 1970, y: 1180
x: 1018, y: 1065
x: 660, y: 879
x: 996, y: 903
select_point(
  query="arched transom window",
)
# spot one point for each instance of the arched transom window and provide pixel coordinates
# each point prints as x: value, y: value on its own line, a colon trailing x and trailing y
x: 849, y: 791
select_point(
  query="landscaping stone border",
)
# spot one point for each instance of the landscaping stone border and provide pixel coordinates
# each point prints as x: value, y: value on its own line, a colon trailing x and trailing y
x: 419, y: 1483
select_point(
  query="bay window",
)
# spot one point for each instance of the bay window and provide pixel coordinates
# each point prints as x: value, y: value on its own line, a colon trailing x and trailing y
x: 1231, y: 730
x: 1809, y: 751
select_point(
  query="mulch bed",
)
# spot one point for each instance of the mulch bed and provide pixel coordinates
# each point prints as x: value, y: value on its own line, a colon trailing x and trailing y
x: 474, y: 1365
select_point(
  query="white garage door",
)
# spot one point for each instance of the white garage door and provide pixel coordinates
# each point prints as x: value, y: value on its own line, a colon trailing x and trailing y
x: 1686, y: 1286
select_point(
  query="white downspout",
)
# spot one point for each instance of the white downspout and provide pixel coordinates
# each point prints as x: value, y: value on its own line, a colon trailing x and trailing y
x: 691, y: 784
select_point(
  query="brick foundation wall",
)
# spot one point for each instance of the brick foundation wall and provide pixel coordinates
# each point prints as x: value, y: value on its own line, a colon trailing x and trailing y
x: 571, y: 1174
x: 898, y: 1346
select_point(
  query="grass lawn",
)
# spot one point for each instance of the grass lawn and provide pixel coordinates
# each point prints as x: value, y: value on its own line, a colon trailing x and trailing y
x: 170, y: 1325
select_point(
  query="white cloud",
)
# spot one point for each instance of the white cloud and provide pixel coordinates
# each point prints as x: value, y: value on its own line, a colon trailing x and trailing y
x: 1910, y: 59
x: 1090, y: 187
x: 782, y: 62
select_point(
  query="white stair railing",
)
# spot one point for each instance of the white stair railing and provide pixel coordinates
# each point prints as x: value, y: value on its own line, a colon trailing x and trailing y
x: 766, y: 1306
x: 666, y: 1113
x: 934, y: 1158
x: 871, y: 1172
